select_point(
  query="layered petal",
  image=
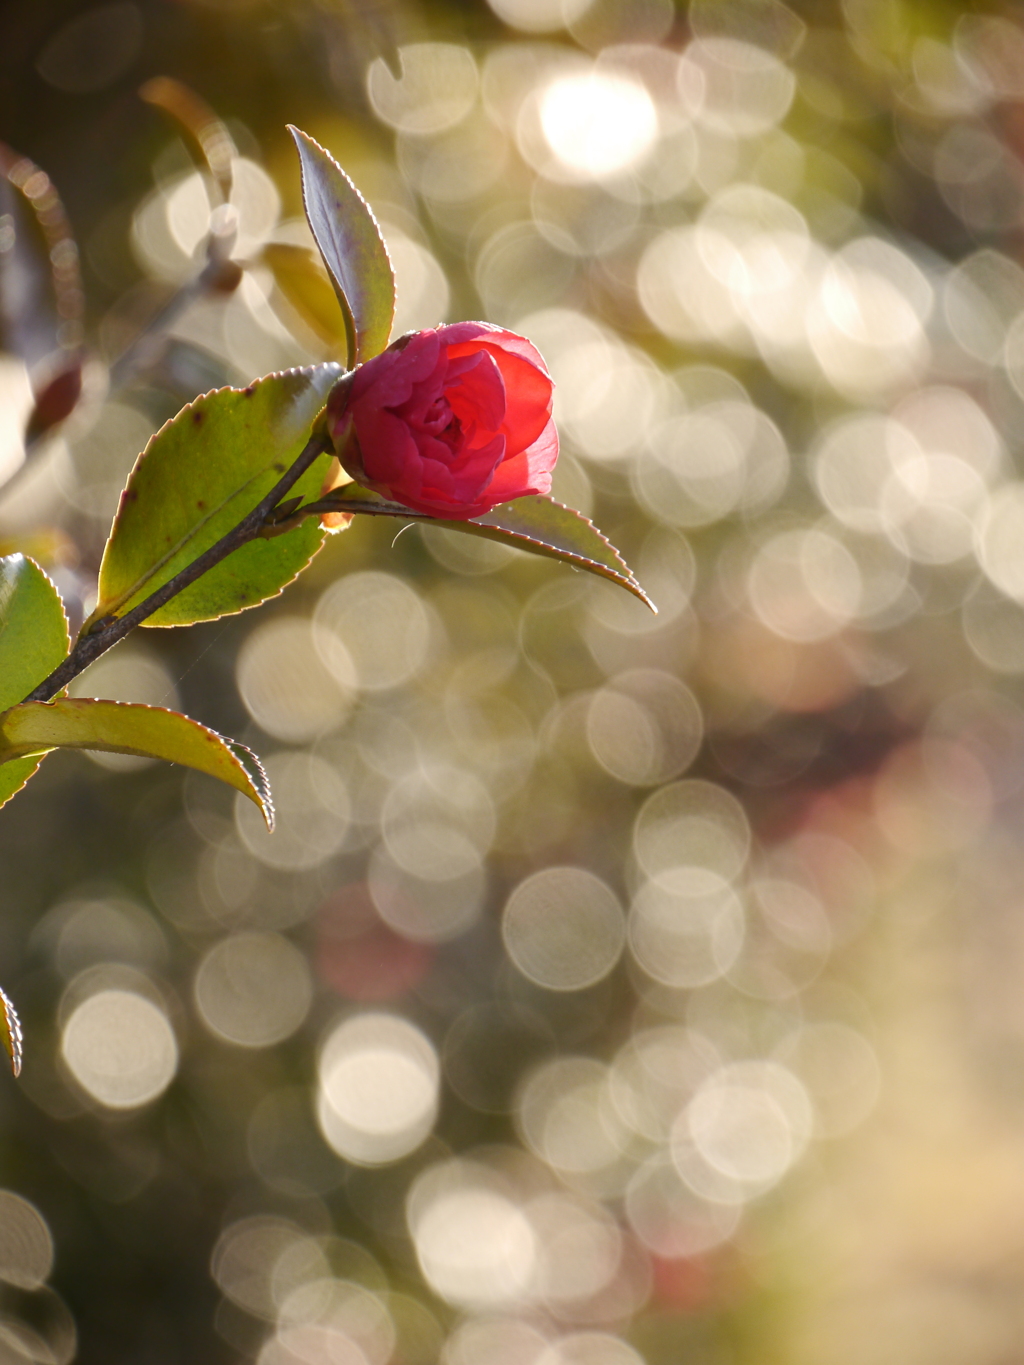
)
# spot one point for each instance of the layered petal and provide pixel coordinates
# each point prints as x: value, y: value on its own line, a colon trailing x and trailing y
x: 449, y: 421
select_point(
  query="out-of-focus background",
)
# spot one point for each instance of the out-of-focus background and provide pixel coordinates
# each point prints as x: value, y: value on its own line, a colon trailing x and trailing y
x: 617, y: 989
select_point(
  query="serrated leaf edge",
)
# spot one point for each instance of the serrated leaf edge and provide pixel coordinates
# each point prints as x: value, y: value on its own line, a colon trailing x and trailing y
x: 384, y: 507
x: 259, y: 787
x: 27, y: 779
x: 257, y: 775
x: 354, y: 356
x: 11, y: 1034
x: 111, y: 607
x: 18, y: 554
x: 627, y: 576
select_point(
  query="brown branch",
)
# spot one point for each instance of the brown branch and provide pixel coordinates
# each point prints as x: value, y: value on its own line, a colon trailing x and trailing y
x: 109, y: 630
x: 292, y: 518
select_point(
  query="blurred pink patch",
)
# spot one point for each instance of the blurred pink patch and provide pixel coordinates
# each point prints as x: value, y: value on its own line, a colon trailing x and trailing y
x: 359, y: 956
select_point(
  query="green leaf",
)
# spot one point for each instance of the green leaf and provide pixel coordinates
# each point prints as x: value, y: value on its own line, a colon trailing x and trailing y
x: 352, y: 247
x: 535, y: 523
x: 305, y: 284
x: 13, y: 776
x: 33, y: 641
x: 197, y: 478
x: 117, y: 727
x: 10, y: 1032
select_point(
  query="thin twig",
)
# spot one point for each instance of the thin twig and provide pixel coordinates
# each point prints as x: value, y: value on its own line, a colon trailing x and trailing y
x: 219, y: 276
x: 329, y: 504
x: 108, y: 631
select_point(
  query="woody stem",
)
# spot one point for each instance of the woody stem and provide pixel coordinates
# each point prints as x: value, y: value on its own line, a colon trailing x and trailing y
x: 109, y: 630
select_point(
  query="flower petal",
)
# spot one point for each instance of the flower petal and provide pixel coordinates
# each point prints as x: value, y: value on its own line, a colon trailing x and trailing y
x: 476, y: 390
x: 528, y: 393
x: 529, y: 471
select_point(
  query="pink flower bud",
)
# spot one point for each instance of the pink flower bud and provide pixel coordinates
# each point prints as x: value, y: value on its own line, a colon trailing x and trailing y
x: 450, y: 421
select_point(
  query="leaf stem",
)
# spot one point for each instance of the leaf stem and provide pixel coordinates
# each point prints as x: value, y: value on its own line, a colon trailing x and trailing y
x: 218, y: 276
x: 109, y: 630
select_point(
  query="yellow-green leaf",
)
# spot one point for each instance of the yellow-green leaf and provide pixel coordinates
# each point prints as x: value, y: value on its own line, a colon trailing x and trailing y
x: 116, y: 727
x: 33, y: 641
x: 352, y: 247
x: 305, y: 284
x: 534, y: 523
x: 197, y: 478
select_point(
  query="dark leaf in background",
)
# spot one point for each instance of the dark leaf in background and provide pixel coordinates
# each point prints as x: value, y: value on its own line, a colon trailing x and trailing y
x: 41, y: 298
x: 210, y: 134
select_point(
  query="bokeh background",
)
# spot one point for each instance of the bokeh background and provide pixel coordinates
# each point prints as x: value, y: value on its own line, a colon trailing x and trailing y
x: 617, y: 989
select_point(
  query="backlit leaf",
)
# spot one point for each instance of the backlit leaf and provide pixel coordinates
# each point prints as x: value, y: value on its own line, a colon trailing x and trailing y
x: 191, y: 111
x: 305, y: 284
x: 116, y: 727
x: 352, y: 247
x: 10, y: 1032
x: 197, y: 478
x: 47, y: 545
x: 535, y: 523
x: 33, y: 641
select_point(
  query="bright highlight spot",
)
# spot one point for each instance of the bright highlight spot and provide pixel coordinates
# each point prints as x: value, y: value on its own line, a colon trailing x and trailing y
x: 692, y: 824
x: 383, y: 625
x: 476, y: 1247
x: 589, y: 1348
x: 735, y: 87
x: 379, y: 1078
x: 1000, y: 535
x: 686, y: 927
x: 580, y: 1248
x: 288, y: 689
x: 598, y: 123
x: 436, y: 87
x: 245, y: 1257
x: 750, y: 1122
x: 565, y: 1118
x: 335, y: 1321
x: 120, y: 1048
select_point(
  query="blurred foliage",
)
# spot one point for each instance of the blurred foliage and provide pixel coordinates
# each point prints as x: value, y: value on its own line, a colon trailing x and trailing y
x: 616, y: 988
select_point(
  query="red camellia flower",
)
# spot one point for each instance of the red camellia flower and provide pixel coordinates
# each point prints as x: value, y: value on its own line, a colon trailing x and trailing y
x: 450, y: 421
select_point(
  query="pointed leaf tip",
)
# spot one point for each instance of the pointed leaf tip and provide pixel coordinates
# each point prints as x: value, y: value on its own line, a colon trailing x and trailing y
x: 535, y: 523
x: 544, y: 526
x: 257, y: 775
x: 117, y: 727
x: 352, y: 248
x: 10, y: 1033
